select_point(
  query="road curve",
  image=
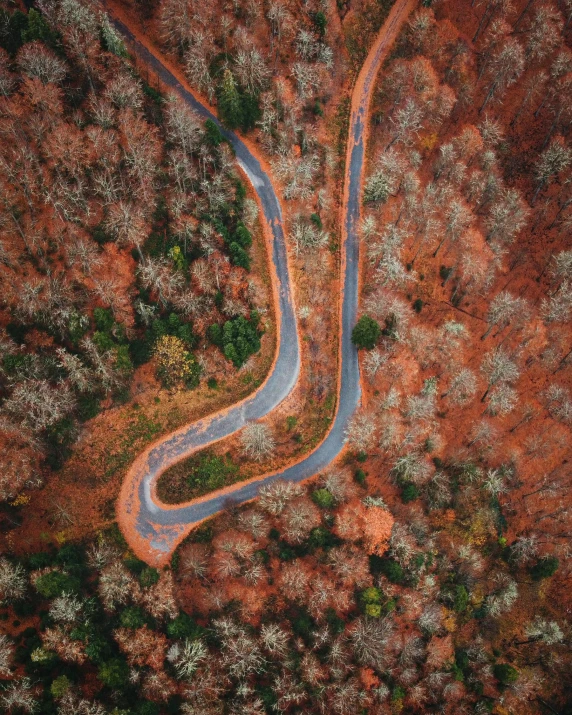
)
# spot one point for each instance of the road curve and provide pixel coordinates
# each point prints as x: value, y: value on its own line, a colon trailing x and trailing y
x: 154, y: 529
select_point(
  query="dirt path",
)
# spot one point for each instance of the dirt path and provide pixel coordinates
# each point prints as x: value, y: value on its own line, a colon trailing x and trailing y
x: 154, y: 529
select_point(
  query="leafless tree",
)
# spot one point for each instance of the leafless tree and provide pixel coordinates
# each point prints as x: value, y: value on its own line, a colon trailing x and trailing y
x: 251, y: 70
x: 544, y: 34
x: 274, y: 497
x: 462, y: 387
x: 39, y: 62
x: 370, y: 639
x: 534, y: 87
x: 503, y: 309
x: 555, y: 159
x: 66, y: 608
x: 257, y: 441
x: 502, y: 400
x: 187, y: 657
x: 505, y: 67
x: 183, y: 125
x: 361, y: 431
x: 559, y: 403
x: 493, y: 9
x: 116, y: 585
x: 12, y: 581
x: 499, y: 368
x: 38, y: 404
x: 6, y: 655
x: 548, y: 632
x: 298, y: 519
x: 19, y: 696
x: 274, y: 639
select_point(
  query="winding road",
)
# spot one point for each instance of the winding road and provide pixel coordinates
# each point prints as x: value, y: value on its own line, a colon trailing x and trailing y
x: 154, y: 529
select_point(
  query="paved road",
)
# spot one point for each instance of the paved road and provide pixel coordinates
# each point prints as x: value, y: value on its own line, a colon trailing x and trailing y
x: 154, y: 529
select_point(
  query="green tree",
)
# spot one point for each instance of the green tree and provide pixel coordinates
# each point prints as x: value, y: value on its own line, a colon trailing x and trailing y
x: 505, y: 673
x: 213, y: 134
x: 38, y: 29
x: 60, y: 686
x: 238, y: 338
x: 229, y: 102
x: 183, y: 626
x: 133, y: 617
x: 148, y: 576
x: 461, y: 599
x: 114, y: 673
x: 409, y: 492
x: 544, y: 568
x: 366, y: 333
x: 323, y: 498
x: 54, y: 583
x: 239, y: 256
x: 321, y: 22
x: 242, y: 236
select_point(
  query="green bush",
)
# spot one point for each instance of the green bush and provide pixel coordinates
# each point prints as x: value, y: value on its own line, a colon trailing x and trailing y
x: 114, y: 673
x: 366, y: 333
x: 103, y: 319
x: 212, y: 471
x: 505, y: 673
x: 54, y: 583
x: 409, y: 492
x: 213, y: 134
x: 98, y: 649
x: 148, y: 576
x: 239, y: 256
x: 238, y: 338
x: 183, y: 626
x: 316, y: 220
x: 371, y: 595
x: 133, y: 617
x: 390, y: 569
x: 323, y: 498
x: 60, y: 686
x: 134, y: 564
x: 242, y: 236
x: 461, y: 599
x: 544, y: 568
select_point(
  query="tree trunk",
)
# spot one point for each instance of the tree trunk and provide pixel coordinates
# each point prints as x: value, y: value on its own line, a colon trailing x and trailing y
x: 522, y: 14
x: 482, y: 21
x: 488, y: 97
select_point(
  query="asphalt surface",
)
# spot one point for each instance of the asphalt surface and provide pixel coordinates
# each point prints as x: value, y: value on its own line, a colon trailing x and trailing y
x: 159, y: 528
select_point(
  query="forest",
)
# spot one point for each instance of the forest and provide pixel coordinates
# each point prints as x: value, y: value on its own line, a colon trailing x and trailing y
x: 425, y: 570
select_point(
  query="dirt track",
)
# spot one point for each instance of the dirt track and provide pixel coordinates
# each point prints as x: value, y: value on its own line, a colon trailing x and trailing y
x: 154, y: 529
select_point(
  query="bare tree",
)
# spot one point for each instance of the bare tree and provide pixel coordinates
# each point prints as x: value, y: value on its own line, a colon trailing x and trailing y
x: 187, y: 657
x: 40, y: 405
x: 361, y: 431
x: 556, y: 158
x: 503, y: 309
x: 493, y: 9
x: 544, y: 34
x: 462, y: 387
x: 505, y: 67
x: 6, y: 655
x: 257, y: 441
x: 19, y: 696
x: 499, y: 368
x: 534, y: 87
x: 370, y: 639
x: 13, y: 581
x: 39, y: 62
